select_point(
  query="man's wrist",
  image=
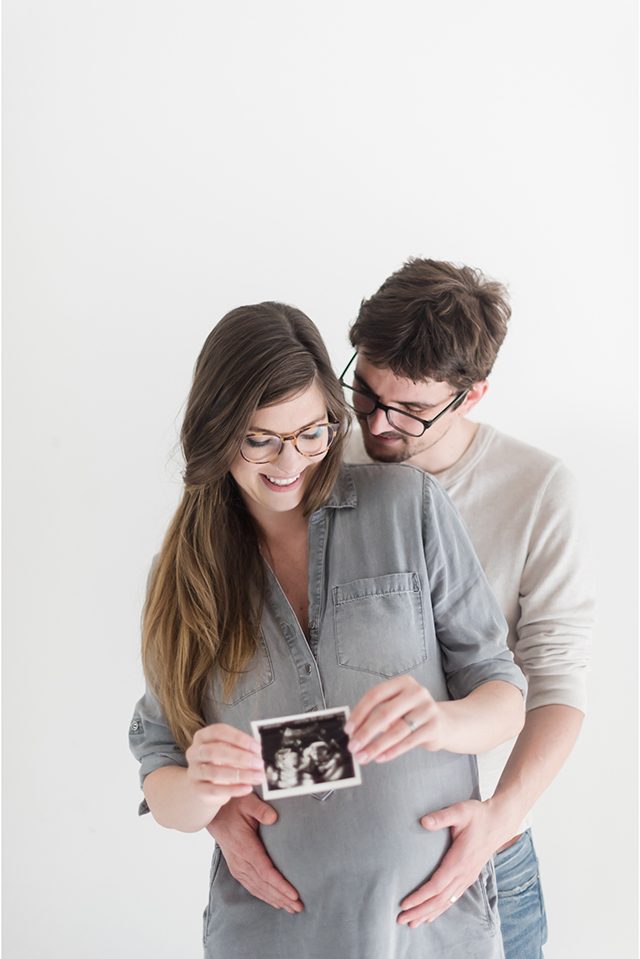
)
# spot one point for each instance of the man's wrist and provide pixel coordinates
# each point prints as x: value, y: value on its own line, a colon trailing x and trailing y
x: 507, y: 815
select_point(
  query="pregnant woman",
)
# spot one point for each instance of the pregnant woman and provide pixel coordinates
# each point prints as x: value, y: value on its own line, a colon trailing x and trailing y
x: 288, y: 583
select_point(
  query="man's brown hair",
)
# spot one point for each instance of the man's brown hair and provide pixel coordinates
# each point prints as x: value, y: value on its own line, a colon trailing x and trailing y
x: 434, y: 320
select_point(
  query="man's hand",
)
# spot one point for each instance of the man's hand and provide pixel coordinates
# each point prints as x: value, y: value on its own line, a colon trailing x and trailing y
x: 476, y: 832
x: 235, y: 829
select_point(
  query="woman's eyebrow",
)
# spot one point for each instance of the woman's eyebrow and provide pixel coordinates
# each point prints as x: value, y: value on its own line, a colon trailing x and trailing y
x: 315, y: 422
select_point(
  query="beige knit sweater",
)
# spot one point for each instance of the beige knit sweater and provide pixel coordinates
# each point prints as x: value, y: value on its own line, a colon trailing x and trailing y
x: 521, y: 509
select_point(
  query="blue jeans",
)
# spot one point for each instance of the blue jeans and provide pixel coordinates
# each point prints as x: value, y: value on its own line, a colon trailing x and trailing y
x: 520, y: 903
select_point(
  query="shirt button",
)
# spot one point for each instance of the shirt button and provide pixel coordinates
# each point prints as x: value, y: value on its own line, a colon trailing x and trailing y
x: 307, y: 668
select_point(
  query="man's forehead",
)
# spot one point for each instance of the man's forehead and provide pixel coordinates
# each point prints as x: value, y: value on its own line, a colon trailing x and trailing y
x: 382, y: 376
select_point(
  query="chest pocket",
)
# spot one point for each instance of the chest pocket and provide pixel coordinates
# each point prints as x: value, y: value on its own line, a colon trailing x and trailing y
x: 379, y: 624
x: 258, y: 674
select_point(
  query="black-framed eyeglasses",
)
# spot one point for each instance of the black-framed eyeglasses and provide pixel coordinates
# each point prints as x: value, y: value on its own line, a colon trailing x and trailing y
x: 364, y: 404
x: 265, y: 446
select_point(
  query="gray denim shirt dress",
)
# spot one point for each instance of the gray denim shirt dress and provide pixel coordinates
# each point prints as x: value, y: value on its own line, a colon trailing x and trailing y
x: 394, y: 587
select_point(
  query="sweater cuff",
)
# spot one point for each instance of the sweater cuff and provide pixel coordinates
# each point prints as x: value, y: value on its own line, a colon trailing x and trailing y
x: 559, y: 690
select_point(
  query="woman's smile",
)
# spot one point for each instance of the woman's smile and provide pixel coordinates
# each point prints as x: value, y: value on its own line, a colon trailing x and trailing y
x: 281, y: 484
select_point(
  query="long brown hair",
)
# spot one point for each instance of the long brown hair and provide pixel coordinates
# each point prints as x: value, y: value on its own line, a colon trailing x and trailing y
x: 205, y: 593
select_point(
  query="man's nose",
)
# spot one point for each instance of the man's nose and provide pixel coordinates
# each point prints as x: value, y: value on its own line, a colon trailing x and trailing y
x: 378, y: 422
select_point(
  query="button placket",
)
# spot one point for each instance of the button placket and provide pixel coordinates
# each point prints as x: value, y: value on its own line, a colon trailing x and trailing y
x: 317, y: 540
x: 310, y: 685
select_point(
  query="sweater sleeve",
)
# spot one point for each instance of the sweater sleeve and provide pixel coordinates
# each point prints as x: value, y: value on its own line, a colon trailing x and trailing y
x: 556, y: 601
x: 470, y: 627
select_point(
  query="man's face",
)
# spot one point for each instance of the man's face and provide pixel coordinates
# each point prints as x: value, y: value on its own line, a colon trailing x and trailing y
x: 425, y: 399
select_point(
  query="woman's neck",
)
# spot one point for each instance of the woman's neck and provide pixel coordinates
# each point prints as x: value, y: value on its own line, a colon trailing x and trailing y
x: 278, y: 529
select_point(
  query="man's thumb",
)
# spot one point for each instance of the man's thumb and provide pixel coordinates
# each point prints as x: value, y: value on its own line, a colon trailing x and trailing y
x: 441, y: 819
x: 260, y: 810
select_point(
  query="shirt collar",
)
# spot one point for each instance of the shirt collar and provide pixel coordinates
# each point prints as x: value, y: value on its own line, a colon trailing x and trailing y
x: 344, y: 492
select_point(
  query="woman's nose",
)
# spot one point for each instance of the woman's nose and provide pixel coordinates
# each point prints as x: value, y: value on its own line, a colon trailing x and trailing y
x: 289, y: 459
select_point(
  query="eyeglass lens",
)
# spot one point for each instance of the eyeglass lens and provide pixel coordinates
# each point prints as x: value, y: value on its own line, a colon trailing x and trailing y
x: 263, y: 448
x: 365, y: 404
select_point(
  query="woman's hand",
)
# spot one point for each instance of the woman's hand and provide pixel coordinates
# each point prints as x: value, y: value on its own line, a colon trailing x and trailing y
x: 223, y: 763
x: 393, y: 717
x: 399, y: 714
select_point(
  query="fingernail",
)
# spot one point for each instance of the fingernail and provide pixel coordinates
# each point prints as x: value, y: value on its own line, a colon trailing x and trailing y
x: 428, y: 821
x: 348, y: 727
x: 362, y: 757
x: 354, y: 745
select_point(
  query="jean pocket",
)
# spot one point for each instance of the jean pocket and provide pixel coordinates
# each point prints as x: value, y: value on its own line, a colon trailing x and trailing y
x: 379, y: 624
x: 516, y: 868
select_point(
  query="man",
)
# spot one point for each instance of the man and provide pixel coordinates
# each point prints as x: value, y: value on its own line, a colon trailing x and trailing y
x: 425, y: 344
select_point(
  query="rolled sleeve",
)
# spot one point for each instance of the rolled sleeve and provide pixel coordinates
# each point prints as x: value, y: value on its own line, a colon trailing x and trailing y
x: 150, y: 740
x: 471, y: 630
x: 556, y: 599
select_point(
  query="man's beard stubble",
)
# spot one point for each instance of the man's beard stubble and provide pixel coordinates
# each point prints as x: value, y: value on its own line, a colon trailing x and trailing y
x: 409, y: 448
x: 397, y: 455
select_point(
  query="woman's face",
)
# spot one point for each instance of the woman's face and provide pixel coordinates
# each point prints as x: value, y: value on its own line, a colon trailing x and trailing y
x: 279, y: 486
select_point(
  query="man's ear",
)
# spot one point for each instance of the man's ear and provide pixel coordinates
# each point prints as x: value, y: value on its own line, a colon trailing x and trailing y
x: 474, y: 395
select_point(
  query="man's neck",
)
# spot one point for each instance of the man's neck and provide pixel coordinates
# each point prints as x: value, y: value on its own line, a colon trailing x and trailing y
x: 449, y: 448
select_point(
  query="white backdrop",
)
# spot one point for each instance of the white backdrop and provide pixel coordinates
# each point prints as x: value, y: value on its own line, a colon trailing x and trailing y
x: 167, y: 161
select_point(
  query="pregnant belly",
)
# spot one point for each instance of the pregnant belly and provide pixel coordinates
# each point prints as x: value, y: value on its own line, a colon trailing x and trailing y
x: 353, y: 858
x: 370, y: 835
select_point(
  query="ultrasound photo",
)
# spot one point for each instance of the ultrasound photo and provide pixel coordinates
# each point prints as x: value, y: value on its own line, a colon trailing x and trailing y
x: 306, y: 753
